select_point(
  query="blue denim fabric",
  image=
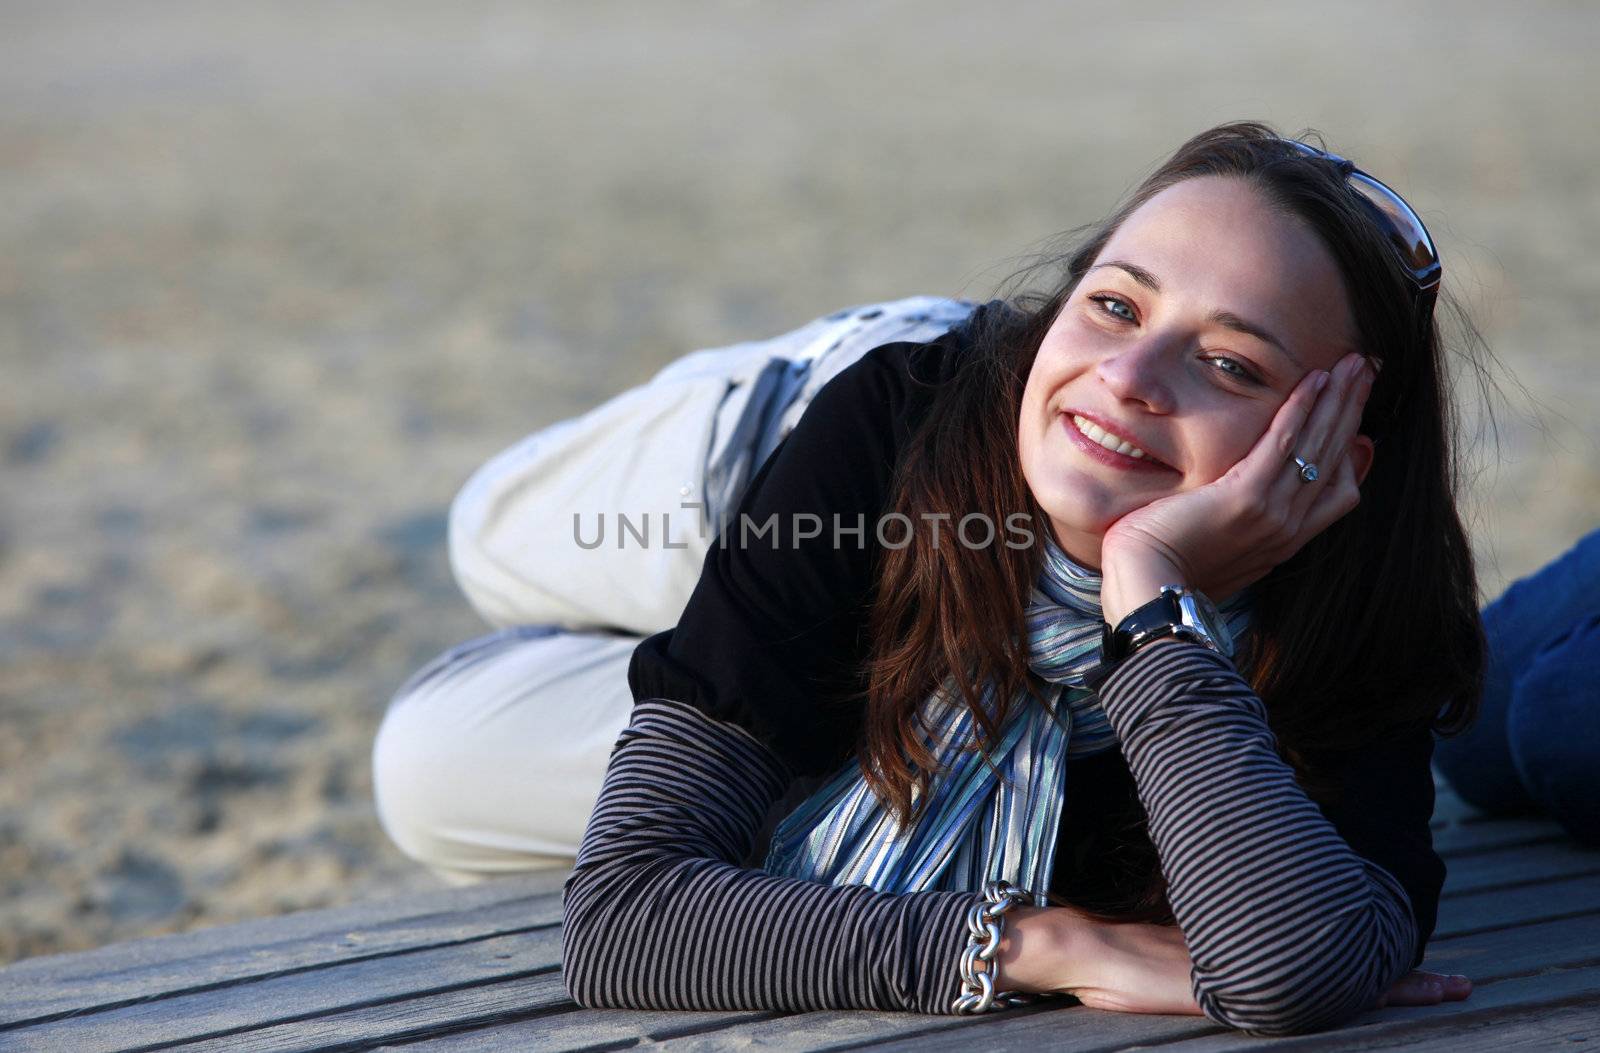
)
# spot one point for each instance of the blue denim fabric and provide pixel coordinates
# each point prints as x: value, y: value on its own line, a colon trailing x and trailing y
x: 1536, y: 743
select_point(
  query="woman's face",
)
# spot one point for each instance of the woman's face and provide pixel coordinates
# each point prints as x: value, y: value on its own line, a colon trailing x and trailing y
x: 1184, y: 337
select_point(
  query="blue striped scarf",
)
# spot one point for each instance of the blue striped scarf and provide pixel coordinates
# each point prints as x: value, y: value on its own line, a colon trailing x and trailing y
x: 982, y: 821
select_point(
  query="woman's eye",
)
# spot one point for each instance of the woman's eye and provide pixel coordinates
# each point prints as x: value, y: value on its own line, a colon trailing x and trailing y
x: 1110, y: 305
x: 1232, y: 368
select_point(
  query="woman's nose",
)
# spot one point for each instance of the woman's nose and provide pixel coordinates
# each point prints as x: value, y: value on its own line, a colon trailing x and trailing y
x: 1138, y: 372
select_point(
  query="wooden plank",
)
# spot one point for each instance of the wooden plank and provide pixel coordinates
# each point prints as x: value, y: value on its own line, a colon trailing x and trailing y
x: 1536, y: 1030
x: 1509, y: 867
x: 1526, y: 903
x: 318, y: 993
x: 1071, y: 1026
x: 405, y: 1021
x: 1501, y: 954
x: 37, y: 1001
x: 582, y: 1029
x: 250, y: 935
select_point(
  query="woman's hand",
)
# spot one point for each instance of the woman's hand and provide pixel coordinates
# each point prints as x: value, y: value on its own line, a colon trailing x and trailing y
x: 1129, y: 967
x: 1223, y: 536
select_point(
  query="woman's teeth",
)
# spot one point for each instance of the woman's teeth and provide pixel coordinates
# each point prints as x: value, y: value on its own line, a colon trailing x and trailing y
x: 1101, y: 436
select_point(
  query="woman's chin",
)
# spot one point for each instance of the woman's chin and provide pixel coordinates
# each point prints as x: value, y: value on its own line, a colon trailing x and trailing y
x: 1083, y: 507
x: 1089, y: 513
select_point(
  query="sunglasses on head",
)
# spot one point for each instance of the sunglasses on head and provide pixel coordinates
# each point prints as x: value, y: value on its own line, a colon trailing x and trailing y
x: 1404, y: 229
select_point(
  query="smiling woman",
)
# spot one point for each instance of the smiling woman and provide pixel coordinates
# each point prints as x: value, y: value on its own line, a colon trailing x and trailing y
x: 1191, y: 716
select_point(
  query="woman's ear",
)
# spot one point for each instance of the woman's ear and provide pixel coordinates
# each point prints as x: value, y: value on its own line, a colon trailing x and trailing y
x: 1361, y: 451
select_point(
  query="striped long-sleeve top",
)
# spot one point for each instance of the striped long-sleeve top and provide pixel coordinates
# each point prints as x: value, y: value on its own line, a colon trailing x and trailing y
x: 1298, y: 913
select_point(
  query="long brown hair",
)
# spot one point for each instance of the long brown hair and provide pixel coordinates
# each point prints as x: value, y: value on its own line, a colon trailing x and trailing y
x: 1371, y: 629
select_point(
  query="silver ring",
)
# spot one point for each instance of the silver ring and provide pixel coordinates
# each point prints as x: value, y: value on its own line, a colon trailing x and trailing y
x: 1308, y: 471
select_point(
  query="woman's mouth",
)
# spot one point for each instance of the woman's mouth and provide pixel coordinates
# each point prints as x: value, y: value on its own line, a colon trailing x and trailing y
x: 1106, y: 448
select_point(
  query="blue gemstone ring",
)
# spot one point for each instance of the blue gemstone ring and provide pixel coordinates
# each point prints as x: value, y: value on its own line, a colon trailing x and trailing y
x: 1308, y: 471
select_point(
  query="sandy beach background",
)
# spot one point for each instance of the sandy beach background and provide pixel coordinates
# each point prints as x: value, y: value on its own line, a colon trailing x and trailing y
x: 274, y: 278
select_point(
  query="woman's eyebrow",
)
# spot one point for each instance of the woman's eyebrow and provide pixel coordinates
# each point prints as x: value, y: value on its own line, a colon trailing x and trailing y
x: 1229, y: 320
x: 1226, y: 319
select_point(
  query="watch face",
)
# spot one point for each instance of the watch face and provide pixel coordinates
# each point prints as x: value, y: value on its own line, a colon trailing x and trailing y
x: 1199, y: 611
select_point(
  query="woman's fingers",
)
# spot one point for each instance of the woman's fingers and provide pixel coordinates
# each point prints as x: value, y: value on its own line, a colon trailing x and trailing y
x: 1328, y: 430
x: 1318, y: 432
x: 1349, y: 396
x: 1424, y: 988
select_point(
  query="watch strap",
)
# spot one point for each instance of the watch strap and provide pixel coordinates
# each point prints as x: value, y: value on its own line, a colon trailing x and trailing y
x: 1160, y: 617
x: 1144, y: 623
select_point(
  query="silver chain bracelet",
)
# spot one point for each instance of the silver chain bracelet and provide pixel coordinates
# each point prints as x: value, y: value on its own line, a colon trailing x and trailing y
x: 985, y: 926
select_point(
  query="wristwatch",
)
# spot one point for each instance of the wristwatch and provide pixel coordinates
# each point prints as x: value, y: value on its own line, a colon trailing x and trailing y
x: 1179, y: 611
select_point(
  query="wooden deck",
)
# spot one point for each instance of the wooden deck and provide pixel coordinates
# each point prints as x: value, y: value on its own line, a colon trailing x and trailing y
x: 479, y: 969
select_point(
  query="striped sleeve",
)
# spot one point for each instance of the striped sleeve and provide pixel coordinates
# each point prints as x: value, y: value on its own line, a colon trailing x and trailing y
x: 1289, y: 929
x: 659, y: 913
